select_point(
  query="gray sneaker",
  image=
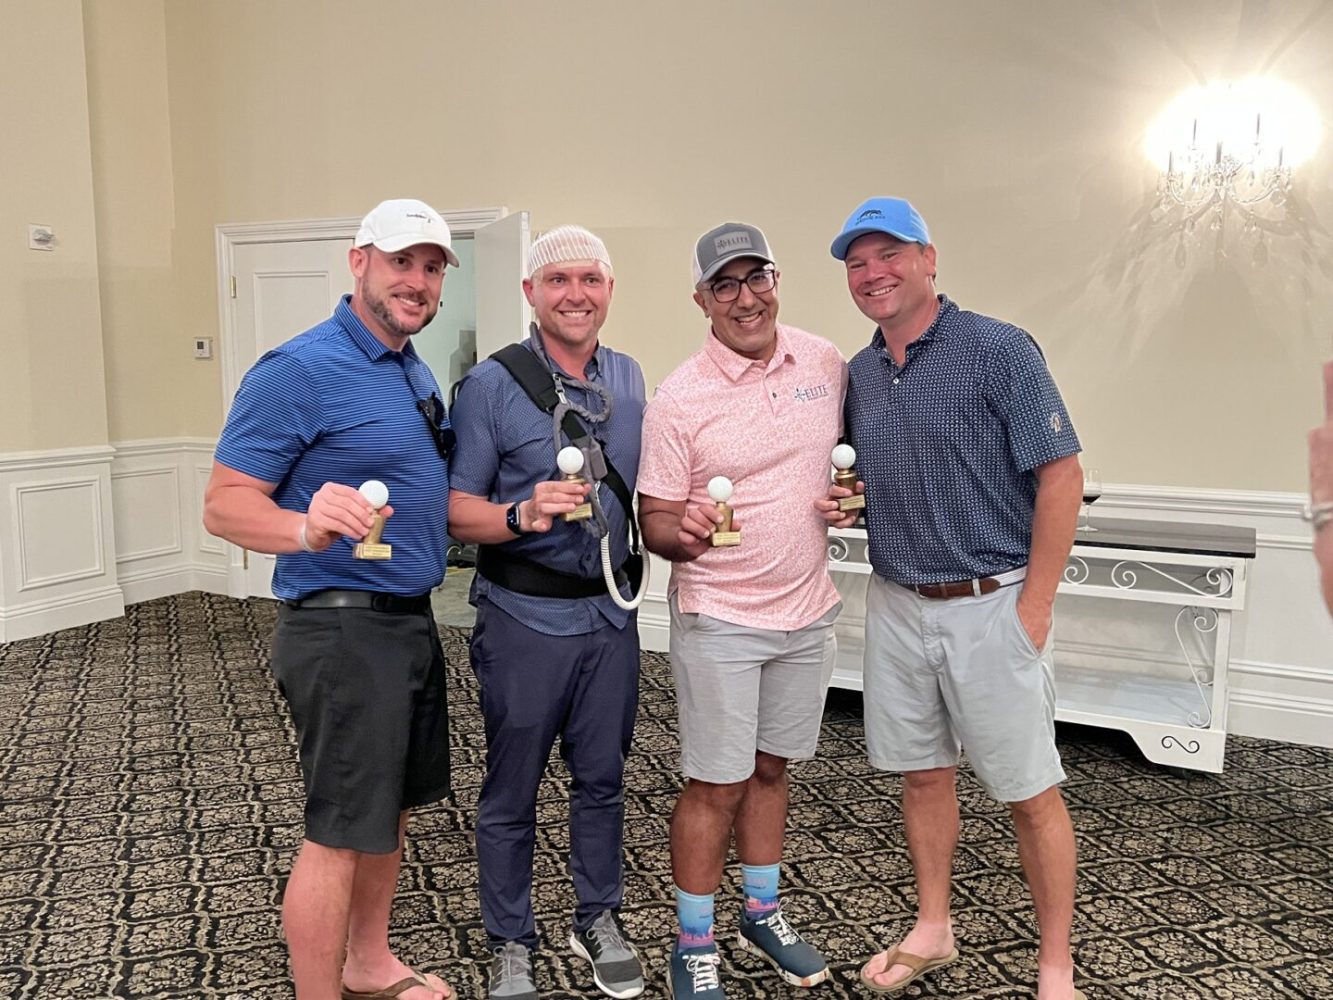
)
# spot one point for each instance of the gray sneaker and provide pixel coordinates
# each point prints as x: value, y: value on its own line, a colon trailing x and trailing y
x: 511, y: 973
x: 615, y: 964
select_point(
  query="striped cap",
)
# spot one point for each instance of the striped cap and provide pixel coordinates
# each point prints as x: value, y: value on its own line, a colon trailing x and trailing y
x: 566, y: 243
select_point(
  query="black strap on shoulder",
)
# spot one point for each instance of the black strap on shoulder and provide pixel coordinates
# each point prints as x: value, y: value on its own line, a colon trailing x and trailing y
x: 539, y: 384
x: 524, y: 576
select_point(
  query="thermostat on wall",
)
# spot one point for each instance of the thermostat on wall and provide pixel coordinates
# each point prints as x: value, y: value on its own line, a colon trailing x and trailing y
x: 203, y: 347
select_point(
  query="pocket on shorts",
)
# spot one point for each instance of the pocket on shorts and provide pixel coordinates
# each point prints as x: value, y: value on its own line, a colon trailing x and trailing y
x: 1024, y: 639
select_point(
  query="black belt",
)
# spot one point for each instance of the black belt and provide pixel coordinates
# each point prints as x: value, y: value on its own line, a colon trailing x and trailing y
x: 523, y: 576
x: 370, y: 600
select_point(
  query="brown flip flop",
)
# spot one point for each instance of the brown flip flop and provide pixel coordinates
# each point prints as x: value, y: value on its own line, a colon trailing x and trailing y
x: 919, y: 966
x: 413, y: 981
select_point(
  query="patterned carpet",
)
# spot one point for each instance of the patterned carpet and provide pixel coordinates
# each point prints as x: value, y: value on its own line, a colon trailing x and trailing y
x: 151, y: 803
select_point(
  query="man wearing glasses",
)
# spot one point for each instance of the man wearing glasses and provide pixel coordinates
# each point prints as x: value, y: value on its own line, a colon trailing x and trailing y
x: 355, y: 651
x: 752, y: 645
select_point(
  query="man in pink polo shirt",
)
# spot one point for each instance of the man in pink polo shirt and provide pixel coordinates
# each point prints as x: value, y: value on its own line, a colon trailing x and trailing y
x: 752, y: 644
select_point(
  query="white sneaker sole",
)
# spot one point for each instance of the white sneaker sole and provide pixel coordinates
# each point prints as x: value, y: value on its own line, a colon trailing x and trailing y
x: 577, y: 947
x: 791, y: 977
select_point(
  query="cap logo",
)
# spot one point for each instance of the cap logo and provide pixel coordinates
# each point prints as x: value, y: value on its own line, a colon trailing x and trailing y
x: 418, y: 215
x: 870, y: 213
x: 733, y: 241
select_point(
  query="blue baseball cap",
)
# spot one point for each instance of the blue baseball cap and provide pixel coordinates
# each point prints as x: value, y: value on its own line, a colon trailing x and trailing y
x: 894, y: 216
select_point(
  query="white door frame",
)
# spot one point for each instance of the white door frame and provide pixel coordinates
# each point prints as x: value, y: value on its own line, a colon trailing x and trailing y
x: 231, y: 235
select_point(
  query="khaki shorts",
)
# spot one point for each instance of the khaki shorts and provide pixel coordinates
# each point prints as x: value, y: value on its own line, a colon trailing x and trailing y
x: 941, y: 675
x: 740, y: 690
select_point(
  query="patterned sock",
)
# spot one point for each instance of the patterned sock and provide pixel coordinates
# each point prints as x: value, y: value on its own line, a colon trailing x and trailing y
x: 695, y: 915
x: 761, y: 889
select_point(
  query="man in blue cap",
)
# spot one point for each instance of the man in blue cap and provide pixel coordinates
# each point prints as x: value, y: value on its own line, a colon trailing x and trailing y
x: 972, y: 484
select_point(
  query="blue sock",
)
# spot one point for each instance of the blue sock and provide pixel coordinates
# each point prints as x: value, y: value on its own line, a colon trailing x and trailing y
x: 761, y: 889
x: 695, y: 915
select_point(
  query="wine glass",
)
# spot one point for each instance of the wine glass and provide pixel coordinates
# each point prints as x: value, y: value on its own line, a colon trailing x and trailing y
x: 1092, y: 489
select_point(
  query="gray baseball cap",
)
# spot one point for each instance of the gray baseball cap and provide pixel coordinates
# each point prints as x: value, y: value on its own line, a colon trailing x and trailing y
x: 717, y: 247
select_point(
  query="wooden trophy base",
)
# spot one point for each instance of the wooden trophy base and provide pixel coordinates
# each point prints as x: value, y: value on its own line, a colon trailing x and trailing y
x: 721, y: 538
x: 856, y: 502
x: 372, y: 550
x: 580, y: 513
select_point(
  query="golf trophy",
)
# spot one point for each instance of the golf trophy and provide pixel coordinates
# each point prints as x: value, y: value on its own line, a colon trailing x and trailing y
x: 719, y: 491
x: 843, y: 457
x: 570, y: 460
x: 377, y: 495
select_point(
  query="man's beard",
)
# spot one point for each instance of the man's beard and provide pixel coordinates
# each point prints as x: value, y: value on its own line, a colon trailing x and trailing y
x: 379, y: 308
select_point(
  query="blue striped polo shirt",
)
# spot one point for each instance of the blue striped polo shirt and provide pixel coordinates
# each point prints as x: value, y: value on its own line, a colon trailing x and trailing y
x: 947, y: 444
x: 335, y: 405
x: 505, y: 448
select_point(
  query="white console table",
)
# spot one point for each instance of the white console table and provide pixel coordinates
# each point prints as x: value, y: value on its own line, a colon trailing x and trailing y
x: 1175, y: 710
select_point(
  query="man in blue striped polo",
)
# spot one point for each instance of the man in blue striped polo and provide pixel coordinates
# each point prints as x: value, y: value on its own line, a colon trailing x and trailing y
x: 555, y: 655
x: 355, y: 650
x: 972, y: 485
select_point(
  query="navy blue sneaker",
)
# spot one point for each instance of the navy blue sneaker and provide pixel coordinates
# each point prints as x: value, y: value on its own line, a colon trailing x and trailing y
x: 694, y: 974
x: 777, y: 942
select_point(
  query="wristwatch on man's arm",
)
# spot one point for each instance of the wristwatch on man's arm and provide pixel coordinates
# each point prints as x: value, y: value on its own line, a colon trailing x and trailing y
x: 512, y: 521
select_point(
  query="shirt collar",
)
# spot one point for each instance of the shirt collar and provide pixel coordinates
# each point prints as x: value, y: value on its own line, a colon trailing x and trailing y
x: 594, y: 363
x: 936, y: 328
x: 734, y: 366
x: 370, y: 345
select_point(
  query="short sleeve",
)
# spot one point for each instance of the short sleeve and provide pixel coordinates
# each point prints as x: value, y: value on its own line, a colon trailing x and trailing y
x: 664, y: 471
x: 1020, y: 390
x: 274, y: 418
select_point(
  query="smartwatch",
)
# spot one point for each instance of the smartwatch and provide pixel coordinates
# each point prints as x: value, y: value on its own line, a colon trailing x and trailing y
x: 511, y: 518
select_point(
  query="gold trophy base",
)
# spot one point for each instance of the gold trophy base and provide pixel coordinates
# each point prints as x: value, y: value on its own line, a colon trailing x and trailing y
x: 721, y: 538
x: 372, y: 550
x: 856, y: 502
x: 580, y: 513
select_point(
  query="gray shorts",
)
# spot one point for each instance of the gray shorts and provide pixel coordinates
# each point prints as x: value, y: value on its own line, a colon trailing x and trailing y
x: 962, y: 672
x: 741, y: 690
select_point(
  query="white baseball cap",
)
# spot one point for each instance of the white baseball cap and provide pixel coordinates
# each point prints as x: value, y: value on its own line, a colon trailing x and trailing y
x: 400, y: 223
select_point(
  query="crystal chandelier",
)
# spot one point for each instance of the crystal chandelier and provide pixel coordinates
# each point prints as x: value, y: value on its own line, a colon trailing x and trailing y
x: 1229, y: 149
x: 1199, y: 177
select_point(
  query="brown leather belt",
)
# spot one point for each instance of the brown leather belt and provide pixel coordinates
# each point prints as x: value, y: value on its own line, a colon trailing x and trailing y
x: 968, y: 588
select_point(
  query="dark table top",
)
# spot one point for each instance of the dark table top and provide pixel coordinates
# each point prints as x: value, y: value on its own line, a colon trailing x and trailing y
x: 1167, y: 536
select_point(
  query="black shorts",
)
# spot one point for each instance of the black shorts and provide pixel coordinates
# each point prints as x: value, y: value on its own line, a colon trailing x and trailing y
x: 367, y: 695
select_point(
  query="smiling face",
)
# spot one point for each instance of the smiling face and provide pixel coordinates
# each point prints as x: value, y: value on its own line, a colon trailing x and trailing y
x: 397, y: 293
x: 570, y: 300
x: 893, y: 283
x: 749, y: 323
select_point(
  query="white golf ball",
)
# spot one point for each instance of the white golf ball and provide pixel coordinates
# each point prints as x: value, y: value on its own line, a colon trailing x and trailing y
x: 719, y: 489
x: 375, y: 492
x: 570, y: 460
x: 844, y: 456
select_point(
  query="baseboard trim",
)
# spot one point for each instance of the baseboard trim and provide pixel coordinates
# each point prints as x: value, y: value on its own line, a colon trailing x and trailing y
x: 55, y: 614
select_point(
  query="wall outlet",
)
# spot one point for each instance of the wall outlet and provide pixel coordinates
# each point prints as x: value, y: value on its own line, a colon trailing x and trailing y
x: 203, y: 347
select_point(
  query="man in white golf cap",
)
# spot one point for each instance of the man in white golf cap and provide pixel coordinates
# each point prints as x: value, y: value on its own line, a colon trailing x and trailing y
x: 355, y: 651
x: 555, y: 655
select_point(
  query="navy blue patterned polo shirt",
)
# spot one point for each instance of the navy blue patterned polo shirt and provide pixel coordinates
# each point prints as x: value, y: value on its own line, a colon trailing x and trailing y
x: 947, y: 444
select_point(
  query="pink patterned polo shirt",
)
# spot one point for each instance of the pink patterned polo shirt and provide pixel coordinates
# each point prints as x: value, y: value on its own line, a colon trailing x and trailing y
x: 769, y: 427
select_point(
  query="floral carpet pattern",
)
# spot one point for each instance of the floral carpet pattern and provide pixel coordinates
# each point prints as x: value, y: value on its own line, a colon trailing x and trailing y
x: 151, y: 804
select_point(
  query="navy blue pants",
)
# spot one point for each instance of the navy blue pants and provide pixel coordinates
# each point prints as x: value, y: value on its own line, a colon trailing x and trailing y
x: 535, y: 687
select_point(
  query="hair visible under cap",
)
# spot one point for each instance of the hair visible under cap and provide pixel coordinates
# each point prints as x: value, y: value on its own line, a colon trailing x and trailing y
x: 564, y: 243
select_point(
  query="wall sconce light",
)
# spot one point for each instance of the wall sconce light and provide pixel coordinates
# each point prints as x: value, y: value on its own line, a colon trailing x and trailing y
x: 1231, y: 145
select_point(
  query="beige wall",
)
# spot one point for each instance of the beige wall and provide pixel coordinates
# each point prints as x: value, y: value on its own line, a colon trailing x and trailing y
x: 53, y: 392
x: 1015, y: 128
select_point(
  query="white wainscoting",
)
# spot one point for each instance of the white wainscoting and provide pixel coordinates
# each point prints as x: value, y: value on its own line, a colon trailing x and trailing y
x: 85, y: 531
x: 1281, y: 678
x: 57, y: 541
x: 162, y: 548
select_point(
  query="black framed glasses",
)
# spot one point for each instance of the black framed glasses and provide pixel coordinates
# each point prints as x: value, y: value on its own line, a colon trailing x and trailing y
x: 437, y: 420
x: 729, y: 289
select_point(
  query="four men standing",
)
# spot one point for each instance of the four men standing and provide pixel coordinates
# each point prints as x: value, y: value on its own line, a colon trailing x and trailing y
x: 970, y: 467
